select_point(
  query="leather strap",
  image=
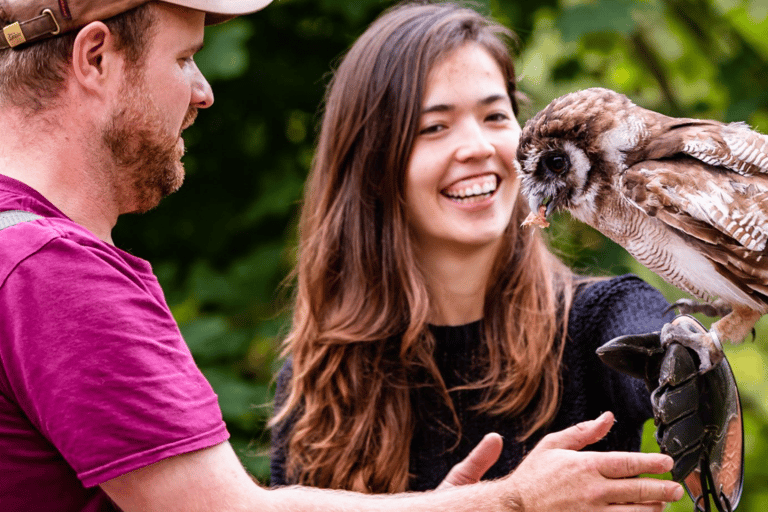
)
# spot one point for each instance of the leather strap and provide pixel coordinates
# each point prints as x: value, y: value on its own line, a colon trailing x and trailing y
x: 21, y: 32
x: 12, y: 217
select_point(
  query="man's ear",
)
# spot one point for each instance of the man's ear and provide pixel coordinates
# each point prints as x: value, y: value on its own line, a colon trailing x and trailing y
x: 95, y: 60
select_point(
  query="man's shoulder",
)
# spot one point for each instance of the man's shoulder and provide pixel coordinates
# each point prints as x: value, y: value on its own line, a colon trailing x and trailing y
x: 27, y: 237
x: 20, y: 241
x: 37, y: 243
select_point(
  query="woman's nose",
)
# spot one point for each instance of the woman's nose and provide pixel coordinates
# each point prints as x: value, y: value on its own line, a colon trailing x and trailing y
x: 474, y: 144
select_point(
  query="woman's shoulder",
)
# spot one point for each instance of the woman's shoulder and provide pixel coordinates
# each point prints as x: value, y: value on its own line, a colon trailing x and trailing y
x: 602, y: 310
x: 283, y: 382
x: 610, y: 292
x: 619, y: 305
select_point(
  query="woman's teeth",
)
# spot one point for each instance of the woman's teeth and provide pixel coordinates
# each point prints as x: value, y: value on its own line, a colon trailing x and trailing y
x: 472, y: 190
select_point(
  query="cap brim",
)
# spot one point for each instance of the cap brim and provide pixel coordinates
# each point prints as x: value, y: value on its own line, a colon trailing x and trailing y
x: 219, y: 11
x: 215, y: 19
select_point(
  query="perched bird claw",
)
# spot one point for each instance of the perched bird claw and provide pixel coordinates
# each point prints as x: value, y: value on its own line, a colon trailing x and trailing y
x: 688, y: 307
x: 703, y: 344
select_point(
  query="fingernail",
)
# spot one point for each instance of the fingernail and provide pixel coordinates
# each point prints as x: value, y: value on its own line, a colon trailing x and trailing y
x: 604, y: 416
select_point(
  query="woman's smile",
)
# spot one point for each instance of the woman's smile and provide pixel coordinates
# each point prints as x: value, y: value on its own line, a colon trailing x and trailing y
x: 472, y: 190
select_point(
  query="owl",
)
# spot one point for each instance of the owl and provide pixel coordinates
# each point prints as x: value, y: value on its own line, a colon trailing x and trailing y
x: 687, y: 198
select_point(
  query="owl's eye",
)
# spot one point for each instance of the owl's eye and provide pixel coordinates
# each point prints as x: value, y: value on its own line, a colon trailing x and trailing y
x: 555, y: 163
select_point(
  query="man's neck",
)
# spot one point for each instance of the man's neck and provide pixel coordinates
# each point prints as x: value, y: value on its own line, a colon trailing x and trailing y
x: 50, y: 157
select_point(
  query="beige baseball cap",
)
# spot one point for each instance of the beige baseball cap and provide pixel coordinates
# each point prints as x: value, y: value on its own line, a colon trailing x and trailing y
x: 31, y: 20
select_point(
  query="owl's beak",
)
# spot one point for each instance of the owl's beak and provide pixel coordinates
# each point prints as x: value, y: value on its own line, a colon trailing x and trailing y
x: 535, y: 202
x: 551, y: 203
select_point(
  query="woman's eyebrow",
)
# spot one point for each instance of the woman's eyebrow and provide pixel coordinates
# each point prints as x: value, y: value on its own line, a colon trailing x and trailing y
x: 442, y: 107
x: 493, y: 99
x: 438, y: 108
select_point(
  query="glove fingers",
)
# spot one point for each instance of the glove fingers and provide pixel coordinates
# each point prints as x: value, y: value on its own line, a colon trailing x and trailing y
x: 676, y: 406
x: 677, y: 366
x: 637, y: 355
x: 670, y: 404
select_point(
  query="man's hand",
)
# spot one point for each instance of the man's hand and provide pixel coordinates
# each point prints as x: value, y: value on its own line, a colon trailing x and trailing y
x: 555, y: 476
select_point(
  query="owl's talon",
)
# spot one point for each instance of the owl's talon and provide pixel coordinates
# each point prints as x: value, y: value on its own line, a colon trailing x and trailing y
x: 702, y: 343
x: 717, y: 308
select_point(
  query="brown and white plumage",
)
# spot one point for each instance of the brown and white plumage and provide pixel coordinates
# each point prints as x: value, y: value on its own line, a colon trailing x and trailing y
x: 688, y: 198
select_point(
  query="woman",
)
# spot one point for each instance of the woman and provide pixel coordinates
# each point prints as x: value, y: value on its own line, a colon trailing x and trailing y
x: 425, y: 317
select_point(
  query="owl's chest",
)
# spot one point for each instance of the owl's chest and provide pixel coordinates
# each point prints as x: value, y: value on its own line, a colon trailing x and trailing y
x: 648, y: 240
x: 664, y: 252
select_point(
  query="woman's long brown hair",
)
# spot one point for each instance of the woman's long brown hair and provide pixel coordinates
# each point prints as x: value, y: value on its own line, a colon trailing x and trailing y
x: 359, y: 333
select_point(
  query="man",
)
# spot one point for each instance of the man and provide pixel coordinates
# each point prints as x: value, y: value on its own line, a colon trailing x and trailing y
x: 101, y: 405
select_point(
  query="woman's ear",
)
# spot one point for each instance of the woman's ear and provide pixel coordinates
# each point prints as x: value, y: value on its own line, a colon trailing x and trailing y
x: 95, y: 60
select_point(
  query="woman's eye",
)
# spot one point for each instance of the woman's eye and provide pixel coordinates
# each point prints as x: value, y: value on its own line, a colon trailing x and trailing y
x: 432, y: 129
x: 498, y: 116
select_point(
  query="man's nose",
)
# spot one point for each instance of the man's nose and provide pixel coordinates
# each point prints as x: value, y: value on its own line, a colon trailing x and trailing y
x: 202, y: 93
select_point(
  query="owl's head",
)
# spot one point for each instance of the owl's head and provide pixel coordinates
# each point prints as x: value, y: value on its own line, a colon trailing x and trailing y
x: 568, y: 151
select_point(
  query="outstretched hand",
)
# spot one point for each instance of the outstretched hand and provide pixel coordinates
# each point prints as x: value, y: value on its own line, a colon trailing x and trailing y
x: 556, y: 476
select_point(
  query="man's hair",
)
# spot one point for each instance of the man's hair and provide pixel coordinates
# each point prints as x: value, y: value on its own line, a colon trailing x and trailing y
x: 32, y: 77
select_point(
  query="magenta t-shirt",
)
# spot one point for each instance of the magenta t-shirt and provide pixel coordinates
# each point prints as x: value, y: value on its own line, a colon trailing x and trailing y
x: 95, y: 378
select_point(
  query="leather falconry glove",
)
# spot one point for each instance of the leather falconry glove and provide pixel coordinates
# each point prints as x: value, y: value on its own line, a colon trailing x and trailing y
x: 697, y: 416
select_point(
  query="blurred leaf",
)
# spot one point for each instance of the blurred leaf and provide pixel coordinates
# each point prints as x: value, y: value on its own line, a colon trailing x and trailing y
x: 597, y: 16
x: 254, y: 457
x: 242, y: 403
x: 212, y: 339
x: 225, y: 54
x: 751, y: 21
x: 354, y: 12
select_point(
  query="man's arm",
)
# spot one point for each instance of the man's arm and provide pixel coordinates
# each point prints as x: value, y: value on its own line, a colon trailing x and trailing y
x: 553, y: 477
x: 213, y: 480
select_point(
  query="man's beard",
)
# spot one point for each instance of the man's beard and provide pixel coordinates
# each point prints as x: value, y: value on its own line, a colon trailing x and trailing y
x: 146, y: 158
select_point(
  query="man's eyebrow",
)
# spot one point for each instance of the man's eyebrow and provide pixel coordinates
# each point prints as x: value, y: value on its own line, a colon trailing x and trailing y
x: 441, y: 107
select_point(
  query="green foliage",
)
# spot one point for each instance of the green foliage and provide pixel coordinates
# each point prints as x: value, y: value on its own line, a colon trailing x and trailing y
x: 224, y: 244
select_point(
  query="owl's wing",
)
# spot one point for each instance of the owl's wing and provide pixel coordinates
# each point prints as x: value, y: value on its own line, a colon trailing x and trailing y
x: 726, y: 211
x: 734, y: 146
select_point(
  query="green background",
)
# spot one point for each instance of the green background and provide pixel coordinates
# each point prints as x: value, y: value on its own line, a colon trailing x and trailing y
x: 222, y: 246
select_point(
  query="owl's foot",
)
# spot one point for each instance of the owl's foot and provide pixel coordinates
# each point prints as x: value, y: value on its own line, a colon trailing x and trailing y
x: 690, y: 334
x: 688, y: 307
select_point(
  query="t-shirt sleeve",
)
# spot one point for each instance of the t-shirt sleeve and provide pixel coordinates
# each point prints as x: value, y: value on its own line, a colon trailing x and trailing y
x: 95, y: 360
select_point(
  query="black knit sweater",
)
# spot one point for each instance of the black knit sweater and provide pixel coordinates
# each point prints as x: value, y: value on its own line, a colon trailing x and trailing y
x: 600, y: 312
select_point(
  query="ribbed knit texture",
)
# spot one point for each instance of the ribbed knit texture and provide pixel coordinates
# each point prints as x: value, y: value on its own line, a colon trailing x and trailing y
x: 602, y: 311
